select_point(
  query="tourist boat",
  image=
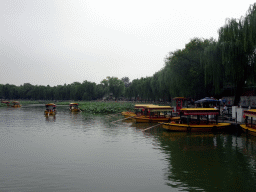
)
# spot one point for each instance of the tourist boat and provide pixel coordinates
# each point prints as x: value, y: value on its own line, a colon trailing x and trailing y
x: 197, y: 120
x: 155, y: 114
x: 50, y: 109
x: 139, y: 110
x: 16, y: 104
x: 249, y: 126
x: 6, y: 102
x: 73, y: 107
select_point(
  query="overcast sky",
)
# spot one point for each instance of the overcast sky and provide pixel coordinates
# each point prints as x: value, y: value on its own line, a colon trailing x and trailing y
x: 53, y: 42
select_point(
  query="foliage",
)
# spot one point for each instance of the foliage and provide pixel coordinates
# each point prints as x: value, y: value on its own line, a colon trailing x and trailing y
x: 105, y: 107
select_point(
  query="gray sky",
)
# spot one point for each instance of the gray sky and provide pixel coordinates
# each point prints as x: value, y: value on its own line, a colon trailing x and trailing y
x: 52, y: 42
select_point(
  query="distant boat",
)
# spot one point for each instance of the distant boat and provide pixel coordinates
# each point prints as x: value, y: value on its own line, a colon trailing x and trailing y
x: 6, y: 102
x: 16, y: 104
x: 196, y: 120
x: 50, y: 109
x: 73, y: 107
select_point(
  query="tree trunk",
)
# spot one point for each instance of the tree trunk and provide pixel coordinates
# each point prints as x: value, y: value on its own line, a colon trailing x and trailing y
x: 238, y: 92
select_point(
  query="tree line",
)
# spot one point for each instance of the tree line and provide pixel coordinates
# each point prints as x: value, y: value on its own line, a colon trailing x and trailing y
x: 205, y: 67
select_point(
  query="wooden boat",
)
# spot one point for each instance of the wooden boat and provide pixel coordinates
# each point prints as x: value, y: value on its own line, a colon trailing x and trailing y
x: 139, y: 110
x: 50, y: 109
x: 197, y: 120
x: 73, y: 107
x: 249, y: 126
x: 155, y: 114
x: 16, y: 104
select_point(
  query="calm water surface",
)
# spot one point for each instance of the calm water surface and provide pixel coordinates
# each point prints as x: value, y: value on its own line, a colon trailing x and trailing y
x: 83, y: 152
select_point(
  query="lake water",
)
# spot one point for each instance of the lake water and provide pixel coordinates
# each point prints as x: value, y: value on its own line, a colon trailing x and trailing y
x: 84, y: 152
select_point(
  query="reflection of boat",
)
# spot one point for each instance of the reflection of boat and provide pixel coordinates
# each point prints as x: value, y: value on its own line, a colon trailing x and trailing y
x: 155, y: 114
x: 15, y: 104
x: 249, y: 126
x: 50, y: 109
x: 202, y: 122
x: 73, y: 107
x: 50, y: 118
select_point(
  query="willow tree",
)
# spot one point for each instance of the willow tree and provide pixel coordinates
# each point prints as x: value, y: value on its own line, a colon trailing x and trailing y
x: 237, y: 43
x: 213, y: 69
x: 186, y: 72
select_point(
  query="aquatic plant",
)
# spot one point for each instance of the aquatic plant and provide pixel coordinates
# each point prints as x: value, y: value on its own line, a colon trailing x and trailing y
x: 105, y: 107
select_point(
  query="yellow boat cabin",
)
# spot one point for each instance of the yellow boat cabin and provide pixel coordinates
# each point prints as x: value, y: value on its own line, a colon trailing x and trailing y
x: 16, y: 104
x: 138, y: 111
x: 73, y: 107
x: 155, y: 114
x: 50, y: 109
x: 249, y: 126
x: 197, y: 120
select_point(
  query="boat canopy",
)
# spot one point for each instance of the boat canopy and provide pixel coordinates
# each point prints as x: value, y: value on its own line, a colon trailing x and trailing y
x: 250, y: 113
x: 73, y: 104
x: 143, y: 105
x: 50, y: 104
x: 156, y: 108
x: 179, y: 98
x: 207, y: 100
x: 199, y: 111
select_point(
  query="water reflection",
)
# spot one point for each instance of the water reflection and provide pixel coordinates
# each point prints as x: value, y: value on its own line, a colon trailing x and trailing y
x: 208, y: 162
x: 50, y: 118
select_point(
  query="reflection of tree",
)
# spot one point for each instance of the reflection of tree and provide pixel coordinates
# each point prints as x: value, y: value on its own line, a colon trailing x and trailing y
x: 209, y: 162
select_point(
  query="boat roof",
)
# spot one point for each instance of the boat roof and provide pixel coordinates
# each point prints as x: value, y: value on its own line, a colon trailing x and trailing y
x: 73, y: 103
x: 250, y: 113
x: 155, y: 108
x: 207, y: 100
x: 15, y: 102
x: 199, y: 111
x: 143, y: 105
x: 179, y: 98
x: 49, y: 104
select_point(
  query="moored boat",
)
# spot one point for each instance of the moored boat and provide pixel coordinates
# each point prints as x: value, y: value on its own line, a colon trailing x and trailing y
x: 249, y: 126
x: 73, y: 107
x: 202, y: 122
x: 138, y: 111
x: 155, y: 114
x: 50, y: 109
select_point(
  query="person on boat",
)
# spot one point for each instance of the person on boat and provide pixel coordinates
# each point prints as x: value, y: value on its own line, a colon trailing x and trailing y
x: 224, y: 109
